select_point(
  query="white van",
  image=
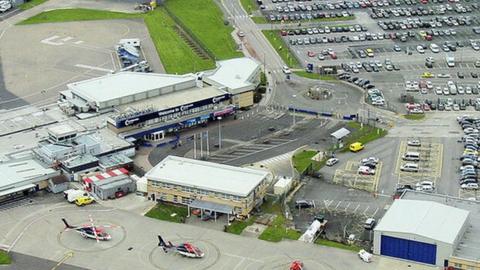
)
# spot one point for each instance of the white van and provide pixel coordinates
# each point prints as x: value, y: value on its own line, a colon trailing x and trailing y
x: 409, y: 167
x: 72, y: 194
x: 411, y: 156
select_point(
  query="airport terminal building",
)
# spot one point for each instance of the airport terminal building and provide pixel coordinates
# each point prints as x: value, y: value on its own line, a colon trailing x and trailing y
x: 206, y: 185
x: 149, y: 106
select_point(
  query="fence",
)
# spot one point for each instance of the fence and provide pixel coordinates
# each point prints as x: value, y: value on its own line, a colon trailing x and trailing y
x: 190, y: 33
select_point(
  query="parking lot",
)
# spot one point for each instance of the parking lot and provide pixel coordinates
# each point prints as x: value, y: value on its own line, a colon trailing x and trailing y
x: 429, y: 165
x: 350, y: 177
x: 388, y: 44
x: 62, y: 53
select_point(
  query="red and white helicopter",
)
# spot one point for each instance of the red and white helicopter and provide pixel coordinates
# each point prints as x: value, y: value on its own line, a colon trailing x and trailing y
x: 184, y: 249
x: 89, y: 230
x: 296, y: 265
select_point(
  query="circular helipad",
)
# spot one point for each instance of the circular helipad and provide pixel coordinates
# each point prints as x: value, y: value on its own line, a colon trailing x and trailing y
x: 172, y: 260
x: 72, y: 239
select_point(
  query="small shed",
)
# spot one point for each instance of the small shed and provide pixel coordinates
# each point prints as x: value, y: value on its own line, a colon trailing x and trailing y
x: 282, y: 186
x: 114, y: 187
x: 58, y: 183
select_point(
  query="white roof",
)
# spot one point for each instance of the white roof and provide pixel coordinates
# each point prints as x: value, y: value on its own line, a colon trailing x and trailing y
x: 340, y: 133
x: 122, y: 84
x: 60, y: 130
x: 207, y: 175
x: 424, y: 218
x: 283, y: 182
x: 234, y: 73
x: 16, y: 173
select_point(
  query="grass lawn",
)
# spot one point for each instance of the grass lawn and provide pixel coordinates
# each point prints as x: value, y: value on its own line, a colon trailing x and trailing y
x: 205, y: 19
x: 315, y: 76
x: 282, y: 49
x: 238, y: 226
x: 77, y: 14
x: 328, y: 243
x: 363, y: 134
x: 302, y: 160
x: 277, y: 231
x: 259, y: 19
x: 4, y: 258
x: 175, y: 54
x: 419, y: 116
x: 249, y: 5
x: 164, y: 212
x: 31, y: 4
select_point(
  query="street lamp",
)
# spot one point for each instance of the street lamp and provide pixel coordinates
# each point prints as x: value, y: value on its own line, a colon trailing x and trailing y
x: 293, y: 107
x: 219, y: 133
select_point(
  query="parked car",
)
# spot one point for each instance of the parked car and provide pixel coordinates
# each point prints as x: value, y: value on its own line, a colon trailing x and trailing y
x: 304, y: 204
x: 365, y: 170
x: 331, y: 161
x: 414, y: 142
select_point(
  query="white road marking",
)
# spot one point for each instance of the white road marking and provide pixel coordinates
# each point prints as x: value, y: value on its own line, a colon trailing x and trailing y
x: 338, y: 204
x: 78, y: 42
x: 67, y: 39
x: 346, y: 207
x: 242, y: 257
x: 50, y: 42
x: 356, y: 208
x: 374, y: 213
x: 94, y: 68
x: 366, y: 209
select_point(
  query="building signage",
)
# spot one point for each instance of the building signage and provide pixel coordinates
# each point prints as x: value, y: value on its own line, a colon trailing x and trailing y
x: 156, y: 114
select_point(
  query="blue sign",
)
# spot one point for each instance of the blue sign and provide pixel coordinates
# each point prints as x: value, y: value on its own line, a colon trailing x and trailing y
x: 140, y: 118
x: 309, y: 67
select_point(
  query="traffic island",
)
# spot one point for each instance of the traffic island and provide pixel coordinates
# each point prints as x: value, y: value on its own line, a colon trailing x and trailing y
x: 5, y: 258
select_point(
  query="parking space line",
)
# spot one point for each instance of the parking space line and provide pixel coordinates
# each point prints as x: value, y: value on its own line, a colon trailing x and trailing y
x: 356, y: 208
x: 374, y: 213
x: 346, y: 207
x: 338, y: 204
x: 366, y: 209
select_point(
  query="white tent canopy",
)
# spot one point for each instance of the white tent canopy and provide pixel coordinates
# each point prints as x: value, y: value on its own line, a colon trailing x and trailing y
x: 339, y: 134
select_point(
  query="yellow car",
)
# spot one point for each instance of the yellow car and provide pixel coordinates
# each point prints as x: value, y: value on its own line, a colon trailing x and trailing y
x: 427, y: 75
x: 84, y: 200
x: 356, y: 146
x: 369, y: 52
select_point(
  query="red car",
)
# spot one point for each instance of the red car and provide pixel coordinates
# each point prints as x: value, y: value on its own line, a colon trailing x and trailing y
x: 311, y: 54
x: 283, y: 33
x: 428, y: 38
x: 333, y: 55
x: 424, y: 1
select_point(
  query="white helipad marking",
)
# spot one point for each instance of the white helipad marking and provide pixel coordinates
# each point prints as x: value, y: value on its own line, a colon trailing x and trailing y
x: 67, y: 39
x: 50, y: 42
x: 94, y: 68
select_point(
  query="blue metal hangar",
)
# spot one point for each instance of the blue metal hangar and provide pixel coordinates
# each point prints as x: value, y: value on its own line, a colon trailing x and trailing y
x: 420, y: 231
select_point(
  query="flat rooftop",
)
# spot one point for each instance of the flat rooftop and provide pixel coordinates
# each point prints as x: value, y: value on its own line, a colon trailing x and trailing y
x: 61, y: 130
x: 469, y: 246
x: 122, y: 84
x: 175, y: 99
x: 17, y: 172
x: 207, y: 175
x: 234, y: 73
x: 427, y: 220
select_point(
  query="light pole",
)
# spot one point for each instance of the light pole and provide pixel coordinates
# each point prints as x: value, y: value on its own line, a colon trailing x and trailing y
x: 293, y: 107
x: 219, y: 133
